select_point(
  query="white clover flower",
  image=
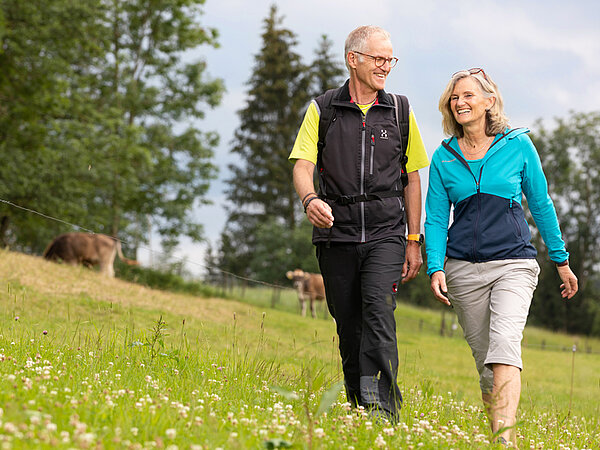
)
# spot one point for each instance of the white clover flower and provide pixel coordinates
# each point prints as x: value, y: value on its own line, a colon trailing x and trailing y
x: 35, y: 419
x: 171, y: 433
x: 379, y: 441
x: 134, y: 431
x: 319, y: 432
x: 87, y: 438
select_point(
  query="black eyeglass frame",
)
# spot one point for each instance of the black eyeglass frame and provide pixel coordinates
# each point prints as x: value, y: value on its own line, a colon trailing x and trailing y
x: 392, y: 61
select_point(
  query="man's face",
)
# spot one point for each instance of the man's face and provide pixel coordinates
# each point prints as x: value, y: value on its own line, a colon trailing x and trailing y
x: 368, y: 74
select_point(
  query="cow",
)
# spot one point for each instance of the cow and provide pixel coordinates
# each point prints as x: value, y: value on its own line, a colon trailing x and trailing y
x: 88, y: 250
x: 309, y: 286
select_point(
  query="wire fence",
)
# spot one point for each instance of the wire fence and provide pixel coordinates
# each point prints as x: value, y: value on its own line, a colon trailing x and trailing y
x: 443, y: 322
x: 225, y: 276
x: 228, y: 284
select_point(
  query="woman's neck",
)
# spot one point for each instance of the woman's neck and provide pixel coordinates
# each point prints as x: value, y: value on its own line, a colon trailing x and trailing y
x: 474, y: 137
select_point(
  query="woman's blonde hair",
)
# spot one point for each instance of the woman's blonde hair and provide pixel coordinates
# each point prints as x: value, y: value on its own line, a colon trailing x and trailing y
x: 495, y: 119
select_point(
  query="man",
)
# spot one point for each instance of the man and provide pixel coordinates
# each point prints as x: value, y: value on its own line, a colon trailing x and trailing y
x: 360, y: 215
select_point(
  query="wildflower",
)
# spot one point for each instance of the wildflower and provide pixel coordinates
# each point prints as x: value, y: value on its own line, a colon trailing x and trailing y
x: 319, y: 432
x: 134, y: 431
x: 380, y: 442
x: 171, y: 433
x: 64, y: 437
x: 16, y: 318
x: 35, y: 419
x: 45, y: 332
x: 87, y: 438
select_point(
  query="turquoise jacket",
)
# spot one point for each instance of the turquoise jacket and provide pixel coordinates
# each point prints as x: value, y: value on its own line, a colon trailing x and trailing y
x: 488, y: 221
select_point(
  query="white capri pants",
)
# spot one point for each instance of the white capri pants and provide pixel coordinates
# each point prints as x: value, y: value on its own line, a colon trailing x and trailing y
x: 492, y: 300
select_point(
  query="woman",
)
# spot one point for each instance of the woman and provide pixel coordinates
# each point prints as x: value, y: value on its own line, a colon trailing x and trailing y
x: 484, y: 263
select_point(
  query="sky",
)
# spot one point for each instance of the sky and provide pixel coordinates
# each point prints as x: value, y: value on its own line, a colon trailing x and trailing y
x: 544, y: 56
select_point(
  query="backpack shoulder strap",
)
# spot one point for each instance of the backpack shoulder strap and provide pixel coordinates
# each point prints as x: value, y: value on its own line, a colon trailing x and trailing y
x: 326, y: 117
x: 402, y: 120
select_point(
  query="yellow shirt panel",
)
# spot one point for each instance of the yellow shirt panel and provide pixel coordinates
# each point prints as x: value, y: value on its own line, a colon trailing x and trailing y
x: 417, y: 155
x: 305, y: 146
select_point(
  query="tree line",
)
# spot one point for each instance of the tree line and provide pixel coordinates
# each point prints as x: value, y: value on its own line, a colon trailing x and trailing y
x: 267, y: 234
x: 100, y: 126
x: 99, y: 115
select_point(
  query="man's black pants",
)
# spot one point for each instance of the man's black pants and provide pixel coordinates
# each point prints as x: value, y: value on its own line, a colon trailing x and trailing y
x: 361, y: 281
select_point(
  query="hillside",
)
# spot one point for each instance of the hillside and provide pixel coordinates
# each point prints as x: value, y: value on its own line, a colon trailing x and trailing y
x: 73, y: 309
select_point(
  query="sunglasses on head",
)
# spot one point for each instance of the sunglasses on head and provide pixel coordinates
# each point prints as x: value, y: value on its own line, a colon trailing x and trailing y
x: 473, y: 71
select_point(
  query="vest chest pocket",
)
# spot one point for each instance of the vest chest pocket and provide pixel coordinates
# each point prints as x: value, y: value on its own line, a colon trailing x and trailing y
x: 383, y: 155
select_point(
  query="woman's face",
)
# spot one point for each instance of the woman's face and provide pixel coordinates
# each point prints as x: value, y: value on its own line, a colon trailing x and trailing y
x: 468, y: 103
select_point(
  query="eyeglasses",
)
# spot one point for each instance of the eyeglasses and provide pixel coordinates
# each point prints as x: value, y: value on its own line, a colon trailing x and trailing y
x: 380, y: 60
x: 473, y: 71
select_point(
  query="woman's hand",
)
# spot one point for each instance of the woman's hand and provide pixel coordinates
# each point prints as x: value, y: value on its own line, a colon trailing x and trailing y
x: 439, y: 288
x: 569, y: 281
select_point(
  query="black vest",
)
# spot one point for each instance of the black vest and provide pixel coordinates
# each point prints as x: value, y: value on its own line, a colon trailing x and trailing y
x: 360, y: 171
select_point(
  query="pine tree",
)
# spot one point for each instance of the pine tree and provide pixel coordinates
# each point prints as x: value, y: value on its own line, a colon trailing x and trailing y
x: 261, y: 186
x: 327, y: 71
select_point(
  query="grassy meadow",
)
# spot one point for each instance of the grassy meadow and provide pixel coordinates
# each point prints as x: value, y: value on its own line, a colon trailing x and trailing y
x: 90, y: 362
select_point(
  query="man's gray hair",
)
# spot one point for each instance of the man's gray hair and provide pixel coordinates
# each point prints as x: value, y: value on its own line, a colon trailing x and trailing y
x: 357, y: 39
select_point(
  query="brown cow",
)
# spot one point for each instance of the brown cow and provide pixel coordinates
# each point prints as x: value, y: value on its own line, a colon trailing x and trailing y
x: 309, y: 286
x: 87, y: 249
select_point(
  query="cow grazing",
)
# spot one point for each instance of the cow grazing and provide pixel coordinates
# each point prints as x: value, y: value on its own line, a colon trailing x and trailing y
x: 309, y: 286
x: 88, y: 250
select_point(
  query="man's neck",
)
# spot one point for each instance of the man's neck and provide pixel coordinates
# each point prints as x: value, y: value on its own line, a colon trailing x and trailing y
x: 360, y: 94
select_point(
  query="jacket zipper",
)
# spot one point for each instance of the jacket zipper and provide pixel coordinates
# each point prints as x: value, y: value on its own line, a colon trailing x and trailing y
x: 362, y: 178
x: 476, y: 228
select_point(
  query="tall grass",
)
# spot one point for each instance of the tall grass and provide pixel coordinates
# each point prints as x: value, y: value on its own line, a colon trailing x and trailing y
x: 87, y: 362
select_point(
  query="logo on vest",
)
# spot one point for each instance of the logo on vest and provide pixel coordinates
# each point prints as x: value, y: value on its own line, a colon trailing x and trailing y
x: 384, y: 134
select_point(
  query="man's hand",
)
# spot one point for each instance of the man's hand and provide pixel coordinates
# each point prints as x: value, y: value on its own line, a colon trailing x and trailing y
x: 319, y: 214
x: 439, y: 288
x: 412, y: 262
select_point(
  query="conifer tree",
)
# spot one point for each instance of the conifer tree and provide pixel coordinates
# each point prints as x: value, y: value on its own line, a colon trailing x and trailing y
x: 327, y: 70
x: 261, y: 188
